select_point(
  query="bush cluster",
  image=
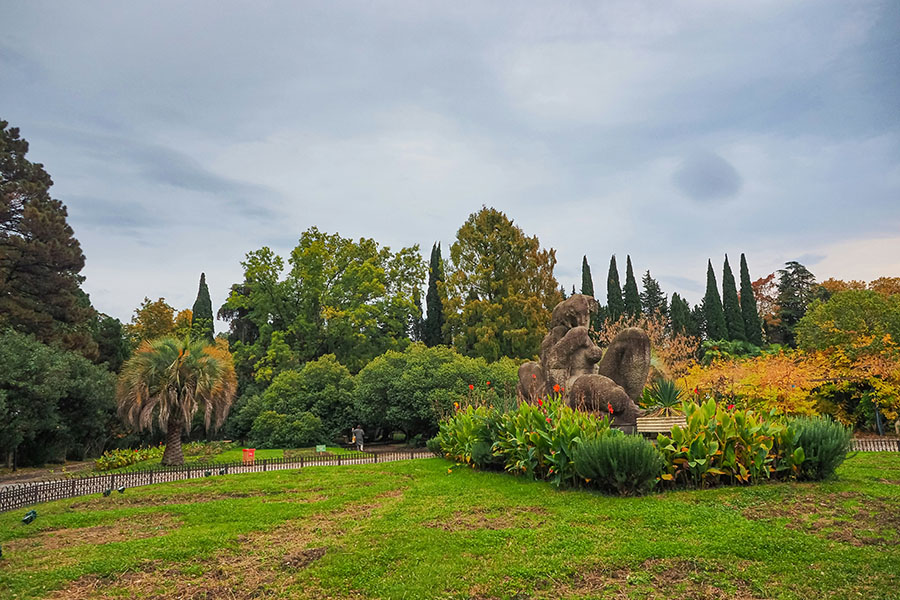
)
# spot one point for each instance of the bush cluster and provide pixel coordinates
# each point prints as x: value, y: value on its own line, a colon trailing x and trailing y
x: 116, y: 459
x: 718, y: 445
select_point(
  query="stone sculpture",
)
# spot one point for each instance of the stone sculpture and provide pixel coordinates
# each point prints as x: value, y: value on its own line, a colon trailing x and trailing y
x: 589, y: 378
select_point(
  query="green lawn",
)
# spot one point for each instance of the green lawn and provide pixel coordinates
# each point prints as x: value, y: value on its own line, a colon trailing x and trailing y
x: 414, y: 530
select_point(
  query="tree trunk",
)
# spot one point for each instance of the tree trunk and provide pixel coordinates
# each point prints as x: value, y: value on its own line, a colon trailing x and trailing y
x: 173, y: 454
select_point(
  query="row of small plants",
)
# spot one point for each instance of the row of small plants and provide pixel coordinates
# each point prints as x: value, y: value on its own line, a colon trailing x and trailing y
x: 125, y: 457
x: 718, y: 446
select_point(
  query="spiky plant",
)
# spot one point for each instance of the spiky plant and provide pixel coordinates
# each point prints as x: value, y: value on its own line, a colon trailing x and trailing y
x: 663, y: 398
x: 168, y: 379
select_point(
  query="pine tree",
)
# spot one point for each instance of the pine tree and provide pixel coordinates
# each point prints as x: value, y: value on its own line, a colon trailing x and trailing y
x: 562, y: 292
x: 652, y: 298
x: 796, y: 290
x: 587, y: 283
x: 202, y: 314
x: 752, y: 324
x: 731, y: 306
x: 433, y: 328
x: 632, y: 297
x: 615, y: 306
x: 713, y: 313
x: 40, y: 259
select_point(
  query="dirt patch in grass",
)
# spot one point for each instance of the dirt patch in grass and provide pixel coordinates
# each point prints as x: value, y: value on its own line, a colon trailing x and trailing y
x: 118, y: 500
x: 656, y: 579
x: 130, y: 528
x: 263, y: 565
x: 847, y: 517
x: 481, y: 518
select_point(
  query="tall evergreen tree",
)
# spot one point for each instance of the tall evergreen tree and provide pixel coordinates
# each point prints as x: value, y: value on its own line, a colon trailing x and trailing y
x: 587, y: 282
x: 697, y: 324
x: 432, y: 333
x: 631, y: 294
x: 713, y: 313
x: 752, y: 323
x: 679, y: 315
x: 40, y: 259
x: 417, y: 323
x: 653, y: 300
x: 796, y: 290
x: 615, y: 306
x: 562, y: 292
x: 731, y: 305
x: 202, y: 314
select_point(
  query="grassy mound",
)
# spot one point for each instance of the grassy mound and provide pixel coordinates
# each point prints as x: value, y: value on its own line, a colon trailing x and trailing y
x: 429, y: 528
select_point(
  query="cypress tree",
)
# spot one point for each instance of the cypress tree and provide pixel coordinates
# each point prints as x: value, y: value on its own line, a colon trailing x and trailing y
x: 652, y: 298
x: 697, y: 323
x: 562, y: 291
x: 615, y: 306
x: 731, y: 305
x: 587, y: 283
x: 202, y: 314
x: 713, y: 313
x: 432, y: 333
x: 678, y: 315
x: 632, y: 297
x: 752, y: 323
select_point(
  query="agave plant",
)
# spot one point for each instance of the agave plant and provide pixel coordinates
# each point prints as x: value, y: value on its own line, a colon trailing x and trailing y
x: 663, y: 398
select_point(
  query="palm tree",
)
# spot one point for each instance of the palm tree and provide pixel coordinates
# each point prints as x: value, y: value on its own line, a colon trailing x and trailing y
x: 169, y: 379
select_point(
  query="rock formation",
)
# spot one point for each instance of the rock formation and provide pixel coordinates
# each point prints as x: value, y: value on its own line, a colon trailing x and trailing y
x: 590, y: 379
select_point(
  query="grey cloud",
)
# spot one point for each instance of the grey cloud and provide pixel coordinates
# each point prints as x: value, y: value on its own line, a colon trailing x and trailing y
x: 707, y: 177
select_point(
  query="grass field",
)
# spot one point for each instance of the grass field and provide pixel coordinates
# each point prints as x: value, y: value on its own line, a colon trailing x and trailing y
x: 414, y: 530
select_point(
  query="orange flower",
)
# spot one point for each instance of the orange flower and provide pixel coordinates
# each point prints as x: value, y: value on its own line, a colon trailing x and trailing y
x: 556, y: 388
x: 489, y: 383
x: 456, y: 404
x: 609, y: 407
x: 471, y: 387
x: 533, y: 376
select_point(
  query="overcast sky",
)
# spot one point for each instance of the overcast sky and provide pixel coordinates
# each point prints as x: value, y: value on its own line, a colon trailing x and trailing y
x: 182, y: 135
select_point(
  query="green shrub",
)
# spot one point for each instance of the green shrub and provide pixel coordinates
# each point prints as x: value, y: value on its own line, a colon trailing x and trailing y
x: 825, y: 444
x: 718, y: 445
x: 663, y: 398
x: 469, y: 435
x: 625, y: 464
x: 275, y: 430
x: 124, y: 457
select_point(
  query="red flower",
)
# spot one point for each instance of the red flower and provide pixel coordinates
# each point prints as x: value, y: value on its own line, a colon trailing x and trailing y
x: 533, y: 376
x: 489, y: 383
x: 609, y: 408
x: 548, y: 419
x: 471, y: 387
x: 556, y: 388
x: 731, y: 407
x: 540, y: 403
x: 696, y: 390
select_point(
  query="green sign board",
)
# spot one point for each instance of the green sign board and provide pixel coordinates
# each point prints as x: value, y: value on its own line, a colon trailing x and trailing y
x: 320, y: 448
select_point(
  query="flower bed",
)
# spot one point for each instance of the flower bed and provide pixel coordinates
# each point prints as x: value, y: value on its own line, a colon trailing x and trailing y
x: 718, y: 445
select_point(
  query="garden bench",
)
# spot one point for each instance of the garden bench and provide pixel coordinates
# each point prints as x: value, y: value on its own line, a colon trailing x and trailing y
x: 651, y: 426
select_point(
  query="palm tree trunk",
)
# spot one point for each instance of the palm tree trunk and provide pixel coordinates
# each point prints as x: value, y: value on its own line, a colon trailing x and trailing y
x: 173, y: 454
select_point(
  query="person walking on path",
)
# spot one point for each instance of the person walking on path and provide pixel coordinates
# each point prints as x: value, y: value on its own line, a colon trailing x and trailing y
x: 358, y: 437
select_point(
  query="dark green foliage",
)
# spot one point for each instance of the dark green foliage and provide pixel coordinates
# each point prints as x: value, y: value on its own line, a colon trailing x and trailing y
x: 749, y: 313
x: 680, y: 316
x: 416, y: 321
x: 113, y: 346
x: 734, y: 321
x: 562, y: 292
x: 40, y: 259
x: 433, y: 333
x: 274, y: 430
x: 825, y: 445
x: 697, y: 322
x: 727, y: 349
x: 653, y: 300
x: 713, y: 313
x: 623, y: 464
x: 236, y: 311
x: 632, y: 297
x: 202, y: 314
x: 53, y: 403
x: 323, y: 387
x: 409, y: 391
x: 587, y: 282
x: 796, y: 290
x: 615, y: 305
x: 848, y: 320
